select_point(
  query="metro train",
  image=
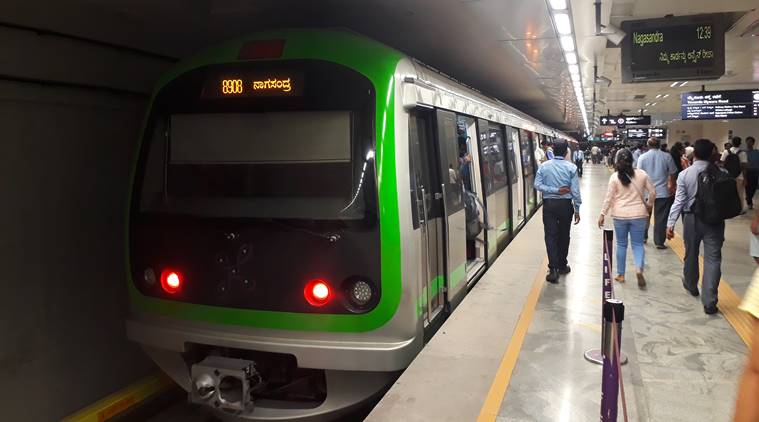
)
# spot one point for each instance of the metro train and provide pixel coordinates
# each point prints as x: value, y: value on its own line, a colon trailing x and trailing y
x: 307, y: 207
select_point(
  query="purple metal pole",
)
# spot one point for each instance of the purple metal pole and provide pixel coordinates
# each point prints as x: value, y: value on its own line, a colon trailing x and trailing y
x: 608, y: 287
x: 607, y: 292
x: 613, y: 313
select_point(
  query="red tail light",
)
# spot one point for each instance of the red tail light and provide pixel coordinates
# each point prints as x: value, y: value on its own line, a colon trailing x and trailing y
x: 171, y: 281
x: 265, y: 49
x: 317, y: 292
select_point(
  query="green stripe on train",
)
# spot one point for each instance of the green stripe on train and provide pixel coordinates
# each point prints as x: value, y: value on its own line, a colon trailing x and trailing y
x: 457, y: 276
x: 375, y: 61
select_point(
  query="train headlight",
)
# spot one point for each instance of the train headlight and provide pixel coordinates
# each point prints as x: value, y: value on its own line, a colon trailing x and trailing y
x: 171, y: 281
x: 317, y: 292
x: 149, y: 277
x: 361, y: 293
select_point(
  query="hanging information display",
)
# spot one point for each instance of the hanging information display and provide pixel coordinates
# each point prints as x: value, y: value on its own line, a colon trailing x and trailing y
x: 673, y: 48
x: 707, y: 105
x: 622, y: 120
x: 657, y: 132
x: 637, y: 133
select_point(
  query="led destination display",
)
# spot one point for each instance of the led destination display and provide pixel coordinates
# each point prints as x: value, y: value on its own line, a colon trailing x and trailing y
x: 254, y: 84
x: 735, y: 104
x: 673, y: 48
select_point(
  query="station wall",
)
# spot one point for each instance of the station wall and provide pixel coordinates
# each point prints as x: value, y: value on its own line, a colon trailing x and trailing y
x: 67, y: 154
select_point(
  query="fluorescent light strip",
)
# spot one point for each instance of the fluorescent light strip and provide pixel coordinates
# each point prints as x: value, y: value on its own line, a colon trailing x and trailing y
x: 563, y: 24
x: 558, y: 4
x: 673, y: 84
x: 567, y: 43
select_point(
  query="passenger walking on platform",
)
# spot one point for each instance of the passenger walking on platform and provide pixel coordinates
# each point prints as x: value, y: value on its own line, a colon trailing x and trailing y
x: 578, y: 157
x: 558, y: 181
x: 678, y: 156
x: 595, y: 153
x: 734, y: 160
x: 696, y: 231
x: 752, y: 171
x: 626, y: 203
x: 747, y: 405
x: 639, y: 150
x: 661, y: 169
x: 688, y: 153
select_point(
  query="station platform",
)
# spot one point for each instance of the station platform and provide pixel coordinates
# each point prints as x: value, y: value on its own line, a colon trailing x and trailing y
x: 513, y: 350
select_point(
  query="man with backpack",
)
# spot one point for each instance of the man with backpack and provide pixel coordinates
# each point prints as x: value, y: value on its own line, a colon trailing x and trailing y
x: 735, y: 161
x: 705, y: 197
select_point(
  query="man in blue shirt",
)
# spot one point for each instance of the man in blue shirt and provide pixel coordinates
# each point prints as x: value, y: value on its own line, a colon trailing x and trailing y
x: 661, y: 169
x: 558, y: 181
x: 696, y: 231
x: 752, y: 171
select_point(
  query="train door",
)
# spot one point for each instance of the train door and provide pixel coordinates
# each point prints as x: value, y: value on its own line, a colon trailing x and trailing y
x: 514, y: 153
x: 427, y: 213
x: 454, y: 165
x: 474, y: 200
x: 528, y: 158
x: 495, y: 185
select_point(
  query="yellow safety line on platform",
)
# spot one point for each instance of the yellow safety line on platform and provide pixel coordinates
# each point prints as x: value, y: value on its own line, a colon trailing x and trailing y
x: 728, y: 299
x: 118, y: 402
x: 497, y: 391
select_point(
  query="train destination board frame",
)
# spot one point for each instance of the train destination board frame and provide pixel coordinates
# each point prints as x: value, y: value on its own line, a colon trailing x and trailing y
x: 710, y: 105
x: 674, y: 48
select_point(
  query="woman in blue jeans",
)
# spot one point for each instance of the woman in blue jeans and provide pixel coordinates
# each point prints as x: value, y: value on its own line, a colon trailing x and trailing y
x: 629, y: 199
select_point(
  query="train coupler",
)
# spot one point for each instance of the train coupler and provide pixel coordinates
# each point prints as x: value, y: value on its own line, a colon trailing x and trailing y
x: 225, y: 384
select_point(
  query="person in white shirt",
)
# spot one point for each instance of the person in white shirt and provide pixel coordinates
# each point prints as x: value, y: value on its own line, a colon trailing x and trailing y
x: 595, y: 154
x: 736, y: 166
x: 540, y: 155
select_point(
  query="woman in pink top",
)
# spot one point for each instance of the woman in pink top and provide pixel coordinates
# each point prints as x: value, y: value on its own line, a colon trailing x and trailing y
x: 630, y: 211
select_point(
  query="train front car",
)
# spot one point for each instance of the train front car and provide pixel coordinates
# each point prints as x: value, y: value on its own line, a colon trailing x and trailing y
x: 264, y: 239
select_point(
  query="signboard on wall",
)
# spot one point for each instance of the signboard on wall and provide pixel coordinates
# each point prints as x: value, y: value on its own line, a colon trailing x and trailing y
x: 709, y: 105
x: 673, y: 48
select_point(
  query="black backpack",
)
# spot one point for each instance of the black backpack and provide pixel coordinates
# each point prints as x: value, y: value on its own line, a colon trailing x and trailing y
x: 717, y: 197
x: 733, y: 164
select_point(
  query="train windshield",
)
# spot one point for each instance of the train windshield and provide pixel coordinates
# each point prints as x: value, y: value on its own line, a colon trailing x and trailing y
x: 308, y: 156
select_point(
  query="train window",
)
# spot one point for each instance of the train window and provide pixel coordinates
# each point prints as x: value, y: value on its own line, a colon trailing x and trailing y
x: 308, y: 157
x: 292, y: 137
x: 450, y: 161
x: 493, y: 156
x: 525, y: 141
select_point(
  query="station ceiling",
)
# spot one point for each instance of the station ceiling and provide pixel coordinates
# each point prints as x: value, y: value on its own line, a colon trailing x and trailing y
x: 505, y: 49
x: 741, y: 55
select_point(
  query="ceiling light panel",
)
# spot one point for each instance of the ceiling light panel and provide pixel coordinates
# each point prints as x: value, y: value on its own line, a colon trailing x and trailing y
x: 563, y: 24
x: 567, y: 43
x: 558, y: 4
